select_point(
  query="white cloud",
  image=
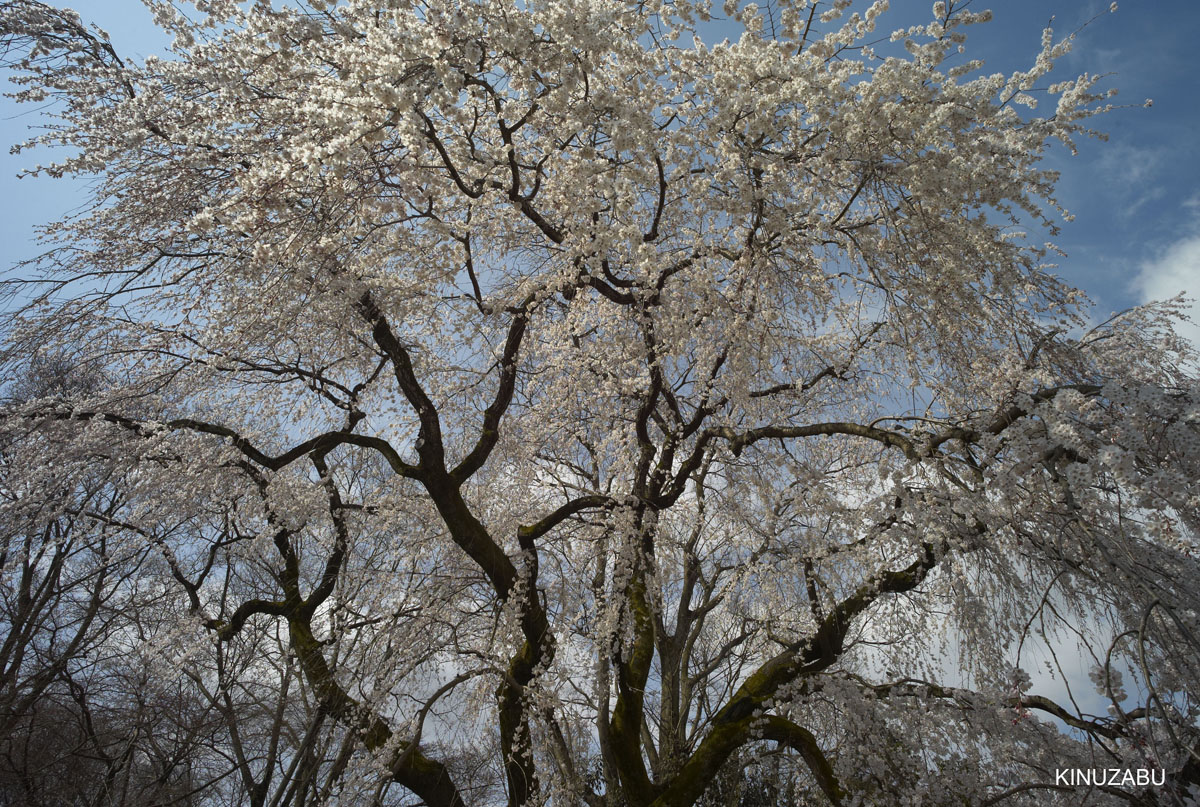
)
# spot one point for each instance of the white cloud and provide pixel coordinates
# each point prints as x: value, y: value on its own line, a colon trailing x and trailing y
x: 1175, y: 270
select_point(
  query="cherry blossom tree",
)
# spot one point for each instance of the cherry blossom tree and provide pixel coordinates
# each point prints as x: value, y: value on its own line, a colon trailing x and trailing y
x: 613, y: 404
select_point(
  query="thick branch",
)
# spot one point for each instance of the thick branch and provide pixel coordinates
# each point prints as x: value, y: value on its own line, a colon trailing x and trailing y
x: 490, y: 432
x: 541, y: 527
x: 227, y: 629
x: 732, y: 725
x: 738, y: 440
x: 322, y: 443
x: 801, y: 740
x: 915, y: 688
x: 429, y: 779
x: 429, y: 438
x: 333, y: 564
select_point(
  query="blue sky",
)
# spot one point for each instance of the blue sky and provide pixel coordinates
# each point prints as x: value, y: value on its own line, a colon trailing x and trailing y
x: 1136, y: 198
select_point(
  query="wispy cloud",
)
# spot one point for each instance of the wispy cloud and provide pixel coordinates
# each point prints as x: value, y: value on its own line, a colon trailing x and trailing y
x: 1132, y: 174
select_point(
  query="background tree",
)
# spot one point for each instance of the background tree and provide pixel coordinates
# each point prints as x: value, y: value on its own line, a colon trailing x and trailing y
x: 535, y: 404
